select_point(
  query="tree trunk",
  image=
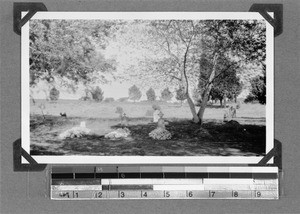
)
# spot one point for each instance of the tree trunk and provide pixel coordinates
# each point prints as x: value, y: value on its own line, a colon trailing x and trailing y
x: 221, y: 102
x: 193, y: 109
x: 207, y: 90
x: 225, y: 101
x: 186, y: 84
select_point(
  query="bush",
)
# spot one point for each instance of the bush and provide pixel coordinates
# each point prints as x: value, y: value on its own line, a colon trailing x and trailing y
x: 156, y: 107
x: 166, y: 95
x: 54, y: 94
x: 122, y: 99
x: 109, y: 100
x: 180, y: 94
x: 119, y: 110
x: 97, y: 94
x: 151, y: 94
x: 134, y: 93
x: 258, y: 90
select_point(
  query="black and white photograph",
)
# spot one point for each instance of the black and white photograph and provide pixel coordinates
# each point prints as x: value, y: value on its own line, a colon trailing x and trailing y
x: 147, y: 87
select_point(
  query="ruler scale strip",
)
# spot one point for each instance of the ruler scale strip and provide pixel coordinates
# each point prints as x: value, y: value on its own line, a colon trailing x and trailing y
x: 159, y: 182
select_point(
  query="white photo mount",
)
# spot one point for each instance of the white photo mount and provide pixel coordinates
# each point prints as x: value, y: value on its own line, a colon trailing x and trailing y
x: 161, y: 160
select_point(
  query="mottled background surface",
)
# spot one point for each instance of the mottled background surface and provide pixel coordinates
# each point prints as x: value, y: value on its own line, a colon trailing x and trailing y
x: 23, y: 192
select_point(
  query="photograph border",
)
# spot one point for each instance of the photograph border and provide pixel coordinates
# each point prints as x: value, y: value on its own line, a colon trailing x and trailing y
x: 76, y: 159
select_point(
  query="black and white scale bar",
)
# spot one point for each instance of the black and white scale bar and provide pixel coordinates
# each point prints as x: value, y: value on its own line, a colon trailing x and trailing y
x: 163, y: 175
x: 163, y: 172
x: 163, y: 194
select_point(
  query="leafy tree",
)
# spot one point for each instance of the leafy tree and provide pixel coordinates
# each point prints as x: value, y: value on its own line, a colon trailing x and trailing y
x: 180, y: 94
x: 226, y: 85
x: 70, y: 50
x: 97, y: 94
x: 166, y: 95
x: 151, y: 94
x: 179, y: 47
x: 54, y: 94
x: 258, y: 90
x: 178, y: 50
x: 228, y: 44
x: 134, y: 93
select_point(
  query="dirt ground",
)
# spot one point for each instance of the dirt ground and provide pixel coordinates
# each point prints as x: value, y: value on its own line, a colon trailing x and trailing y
x: 246, y: 137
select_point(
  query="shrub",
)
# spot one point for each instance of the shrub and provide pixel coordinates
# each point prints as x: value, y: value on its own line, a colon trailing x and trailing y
x: 54, y: 94
x: 109, y: 100
x: 156, y: 107
x: 166, y: 95
x: 258, y: 90
x: 97, y: 94
x: 151, y: 94
x: 180, y: 94
x: 134, y: 93
x: 122, y: 99
x: 119, y: 110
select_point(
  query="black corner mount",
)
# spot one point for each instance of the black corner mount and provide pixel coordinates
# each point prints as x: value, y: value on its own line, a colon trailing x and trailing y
x: 18, y: 153
x: 31, y: 7
x: 277, y: 9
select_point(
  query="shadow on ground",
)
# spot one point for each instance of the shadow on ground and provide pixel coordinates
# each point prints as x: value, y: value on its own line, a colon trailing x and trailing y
x: 213, y: 138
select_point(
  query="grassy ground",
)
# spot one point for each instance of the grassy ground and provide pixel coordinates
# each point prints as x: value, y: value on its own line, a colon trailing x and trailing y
x: 214, y: 138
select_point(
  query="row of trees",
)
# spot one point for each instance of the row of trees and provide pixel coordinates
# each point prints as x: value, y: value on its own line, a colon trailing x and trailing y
x: 135, y: 94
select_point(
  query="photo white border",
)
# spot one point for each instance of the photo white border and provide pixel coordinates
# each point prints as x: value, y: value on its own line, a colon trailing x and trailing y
x: 76, y: 159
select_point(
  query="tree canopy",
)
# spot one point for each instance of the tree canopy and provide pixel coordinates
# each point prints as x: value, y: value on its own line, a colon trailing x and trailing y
x: 70, y: 50
x: 134, y: 93
x: 166, y: 95
x: 151, y: 94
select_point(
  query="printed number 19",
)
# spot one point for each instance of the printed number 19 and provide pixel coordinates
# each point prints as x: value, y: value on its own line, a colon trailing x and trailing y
x: 258, y: 194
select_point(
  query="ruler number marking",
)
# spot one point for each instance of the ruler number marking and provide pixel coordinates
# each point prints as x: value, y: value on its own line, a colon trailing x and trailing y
x: 64, y: 194
x: 75, y: 194
x: 258, y: 194
x: 122, y: 194
x: 235, y: 194
x: 98, y: 195
x: 167, y: 194
x: 190, y: 194
x: 212, y: 194
x: 144, y: 195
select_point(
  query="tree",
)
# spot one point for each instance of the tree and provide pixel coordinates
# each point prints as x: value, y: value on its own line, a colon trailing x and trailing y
x: 97, y: 94
x: 151, y: 95
x: 226, y: 85
x: 180, y: 94
x: 54, y: 94
x: 234, y: 41
x: 178, y: 50
x: 258, y: 90
x: 166, y: 95
x: 134, y: 93
x: 69, y: 51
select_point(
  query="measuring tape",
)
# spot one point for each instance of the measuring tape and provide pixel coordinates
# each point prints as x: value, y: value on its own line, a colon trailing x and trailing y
x: 163, y: 182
